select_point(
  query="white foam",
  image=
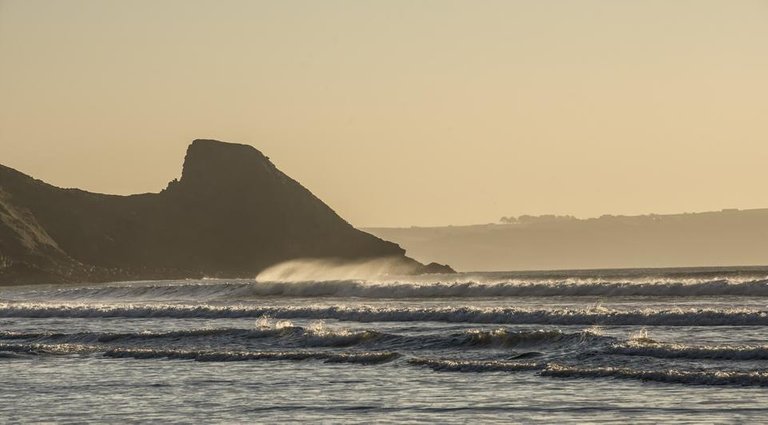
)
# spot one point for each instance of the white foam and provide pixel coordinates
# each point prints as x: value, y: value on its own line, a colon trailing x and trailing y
x: 311, y: 283
x: 500, y: 315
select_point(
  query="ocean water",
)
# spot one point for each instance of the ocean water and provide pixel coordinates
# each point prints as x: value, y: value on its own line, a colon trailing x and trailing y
x: 638, y: 346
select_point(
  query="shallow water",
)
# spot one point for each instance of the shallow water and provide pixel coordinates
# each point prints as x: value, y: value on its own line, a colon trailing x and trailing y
x: 640, y: 346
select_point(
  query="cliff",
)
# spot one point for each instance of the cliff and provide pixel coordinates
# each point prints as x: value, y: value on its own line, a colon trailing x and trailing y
x: 232, y: 214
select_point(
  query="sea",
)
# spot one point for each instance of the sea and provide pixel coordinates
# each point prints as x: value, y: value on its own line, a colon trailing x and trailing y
x: 592, y: 346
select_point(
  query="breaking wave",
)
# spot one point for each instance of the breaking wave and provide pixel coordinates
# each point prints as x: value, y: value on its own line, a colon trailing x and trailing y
x: 383, y: 289
x: 500, y: 315
x: 328, y: 269
x: 509, y: 288
x: 318, y: 335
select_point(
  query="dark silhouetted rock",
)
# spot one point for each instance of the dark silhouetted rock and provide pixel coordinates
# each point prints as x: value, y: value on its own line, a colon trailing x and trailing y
x: 232, y: 214
x: 436, y: 268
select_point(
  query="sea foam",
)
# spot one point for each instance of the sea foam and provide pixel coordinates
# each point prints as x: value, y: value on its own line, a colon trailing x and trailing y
x: 460, y: 286
x: 370, y: 313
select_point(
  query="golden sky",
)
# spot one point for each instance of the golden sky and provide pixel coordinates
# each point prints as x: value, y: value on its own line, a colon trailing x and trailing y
x: 401, y: 113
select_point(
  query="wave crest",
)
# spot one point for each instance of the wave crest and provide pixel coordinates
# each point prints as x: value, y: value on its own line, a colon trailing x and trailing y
x: 237, y: 356
x: 415, y: 288
x: 682, y: 351
x: 499, y: 315
x: 317, y: 335
x: 454, y: 365
x: 712, y: 377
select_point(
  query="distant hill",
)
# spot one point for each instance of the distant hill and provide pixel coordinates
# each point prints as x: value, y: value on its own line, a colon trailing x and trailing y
x: 722, y: 238
x: 232, y: 214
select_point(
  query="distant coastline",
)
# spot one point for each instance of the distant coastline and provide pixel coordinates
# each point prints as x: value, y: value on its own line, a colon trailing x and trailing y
x: 730, y: 237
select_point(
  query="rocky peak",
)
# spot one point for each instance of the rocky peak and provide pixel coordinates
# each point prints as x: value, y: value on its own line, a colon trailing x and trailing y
x: 232, y: 214
x: 211, y: 163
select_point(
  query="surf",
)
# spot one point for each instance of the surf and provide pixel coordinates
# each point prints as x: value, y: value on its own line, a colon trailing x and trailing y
x: 384, y: 288
x: 594, y: 315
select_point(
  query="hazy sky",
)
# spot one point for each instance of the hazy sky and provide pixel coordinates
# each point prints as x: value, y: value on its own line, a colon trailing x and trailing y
x: 401, y: 112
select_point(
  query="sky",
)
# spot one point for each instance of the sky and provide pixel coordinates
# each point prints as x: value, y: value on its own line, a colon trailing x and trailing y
x: 400, y: 113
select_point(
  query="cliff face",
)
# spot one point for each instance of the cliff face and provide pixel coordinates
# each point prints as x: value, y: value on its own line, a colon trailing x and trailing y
x: 232, y: 214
